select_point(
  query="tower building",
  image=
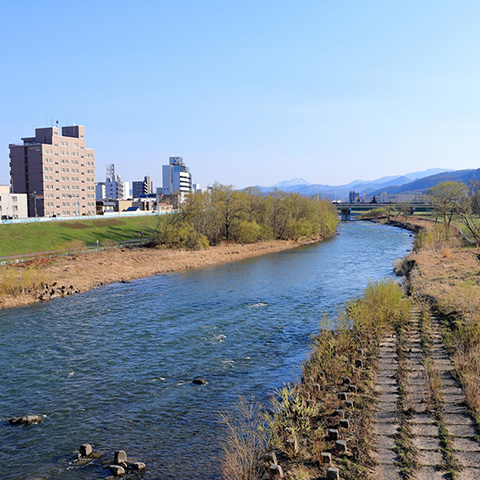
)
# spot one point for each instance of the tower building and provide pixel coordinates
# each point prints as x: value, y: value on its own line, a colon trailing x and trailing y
x: 176, y: 177
x: 57, y: 172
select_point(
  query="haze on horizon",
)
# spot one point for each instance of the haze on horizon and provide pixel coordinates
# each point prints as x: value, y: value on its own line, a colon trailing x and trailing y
x: 249, y: 93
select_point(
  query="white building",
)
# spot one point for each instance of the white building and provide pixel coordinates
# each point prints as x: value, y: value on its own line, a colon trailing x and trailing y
x: 406, y: 198
x: 176, y: 177
x: 116, y: 189
x: 113, y: 188
x: 12, y: 205
x: 100, y: 191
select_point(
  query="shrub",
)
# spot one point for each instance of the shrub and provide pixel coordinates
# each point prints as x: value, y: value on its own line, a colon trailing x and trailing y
x: 298, y: 228
x: 246, y: 438
x: 181, y: 235
x: 14, y: 281
x: 375, y: 213
x: 247, y: 232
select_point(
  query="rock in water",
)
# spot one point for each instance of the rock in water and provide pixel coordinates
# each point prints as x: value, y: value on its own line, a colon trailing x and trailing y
x: 120, y: 457
x: 85, y: 450
x: 26, y: 420
x: 139, y: 466
x: 117, y: 470
x: 199, y: 381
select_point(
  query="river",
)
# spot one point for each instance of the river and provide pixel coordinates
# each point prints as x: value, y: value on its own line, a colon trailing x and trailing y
x: 114, y: 366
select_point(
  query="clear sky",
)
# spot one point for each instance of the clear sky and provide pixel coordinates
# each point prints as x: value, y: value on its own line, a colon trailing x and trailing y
x: 248, y: 92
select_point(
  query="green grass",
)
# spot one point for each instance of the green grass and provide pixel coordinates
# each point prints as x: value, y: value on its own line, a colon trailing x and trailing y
x: 18, y: 239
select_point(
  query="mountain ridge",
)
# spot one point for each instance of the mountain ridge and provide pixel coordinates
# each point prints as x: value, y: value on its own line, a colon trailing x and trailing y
x: 369, y: 187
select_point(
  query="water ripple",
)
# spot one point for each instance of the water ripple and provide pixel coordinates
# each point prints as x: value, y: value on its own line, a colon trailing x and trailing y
x: 114, y: 366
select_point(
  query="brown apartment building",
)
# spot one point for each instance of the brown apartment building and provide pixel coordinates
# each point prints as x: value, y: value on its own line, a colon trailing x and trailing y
x: 56, y: 171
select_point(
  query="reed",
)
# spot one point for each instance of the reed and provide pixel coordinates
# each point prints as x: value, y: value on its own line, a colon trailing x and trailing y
x: 14, y: 281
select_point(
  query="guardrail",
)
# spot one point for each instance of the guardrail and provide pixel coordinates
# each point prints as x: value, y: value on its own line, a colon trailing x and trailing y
x: 87, y: 217
x: 27, y: 257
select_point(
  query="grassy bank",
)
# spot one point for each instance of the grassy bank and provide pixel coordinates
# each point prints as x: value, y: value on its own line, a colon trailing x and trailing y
x: 336, y: 399
x: 446, y: 275
x: 443, y: 273
x: 328, y: 417
x: 18, y: 239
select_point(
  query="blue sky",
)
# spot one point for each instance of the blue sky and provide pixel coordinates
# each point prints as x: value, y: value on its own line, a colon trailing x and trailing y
x: 248, y: 92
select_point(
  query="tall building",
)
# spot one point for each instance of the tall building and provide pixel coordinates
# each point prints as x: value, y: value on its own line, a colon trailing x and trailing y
x: 144, y: 187
x: 113, y: 188
x: 57, y: 172
x: 176, y: 177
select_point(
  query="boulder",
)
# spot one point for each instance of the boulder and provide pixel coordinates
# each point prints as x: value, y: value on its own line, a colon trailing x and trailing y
x: 85, y: 450
x: 139, y: 466
x: 276, y: 471
x: 199, y: 381
x: 332, y: 434
x: 333, y: 474
x: 344, y: 423
x: 326, y: 458
x: 120, y: 457
x: 341, y: 446
x: 26, y: 420
x: 117, y: 470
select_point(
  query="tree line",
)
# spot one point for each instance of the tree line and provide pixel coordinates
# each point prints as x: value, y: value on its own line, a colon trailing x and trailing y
x: 244, y: 216
x: 452, y: 200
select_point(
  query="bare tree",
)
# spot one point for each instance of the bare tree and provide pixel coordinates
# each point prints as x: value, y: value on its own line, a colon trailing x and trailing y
x: 449, y: 199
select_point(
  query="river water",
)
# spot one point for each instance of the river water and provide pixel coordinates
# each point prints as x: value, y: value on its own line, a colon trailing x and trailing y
x: 114, y: 366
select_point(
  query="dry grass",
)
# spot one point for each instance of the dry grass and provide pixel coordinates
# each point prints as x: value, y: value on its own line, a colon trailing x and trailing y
x: 245, y: 441
x: 88, y: 270
x: 446, y: 252
x: 449, y: 277
x: 14, y: 281
x: 73, y: 246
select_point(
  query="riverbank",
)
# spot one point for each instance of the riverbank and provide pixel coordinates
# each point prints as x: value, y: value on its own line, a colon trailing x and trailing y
x: 411, y: 223
x: 84, y: 271
x: 366, y: 411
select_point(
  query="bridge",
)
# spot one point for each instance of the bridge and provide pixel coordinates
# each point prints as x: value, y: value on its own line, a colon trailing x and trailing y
x: 347, y: 210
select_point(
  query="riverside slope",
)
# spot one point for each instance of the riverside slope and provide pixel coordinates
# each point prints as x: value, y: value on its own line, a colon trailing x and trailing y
x: 85, y: 271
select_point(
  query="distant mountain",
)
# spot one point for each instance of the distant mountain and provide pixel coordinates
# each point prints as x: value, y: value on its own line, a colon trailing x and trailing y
x: 291, y: 183
x: 422, y: 185
x: 299, y: 185
x: 427, y: 173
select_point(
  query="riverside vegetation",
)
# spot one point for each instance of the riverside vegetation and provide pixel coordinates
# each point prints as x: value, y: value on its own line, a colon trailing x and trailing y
x: 246, y: 216
x: 223, y: 218
x: 336, y: 398
x: 327, y: 417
